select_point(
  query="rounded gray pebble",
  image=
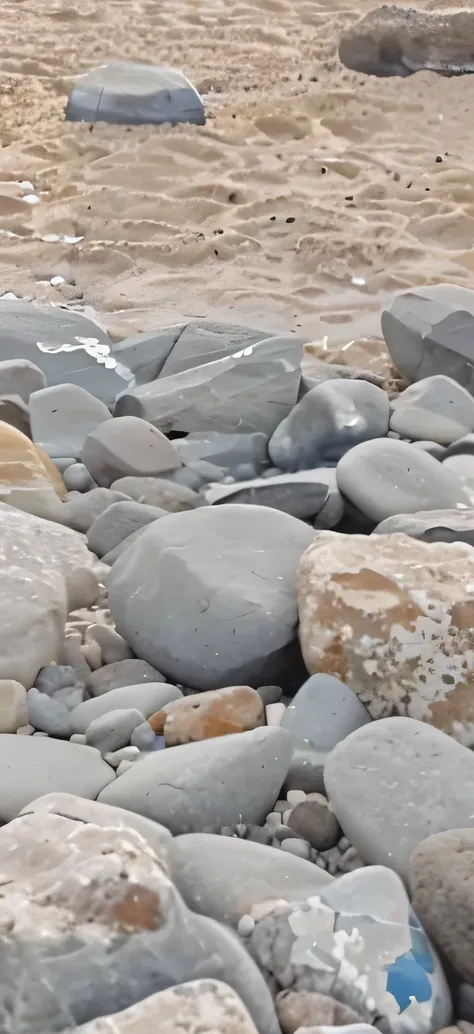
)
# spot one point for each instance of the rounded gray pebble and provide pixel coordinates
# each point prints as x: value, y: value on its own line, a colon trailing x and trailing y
x: 143, y: 737
x: 300, y: 848
x: 77, y: 478
x: 47, y: 715
x: 270, y: 694
x: 113, y: 730
x: 54, y: 677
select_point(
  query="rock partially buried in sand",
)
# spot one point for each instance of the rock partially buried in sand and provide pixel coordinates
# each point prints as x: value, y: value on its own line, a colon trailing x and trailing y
x: 394, y: 618
x: 430, y: 330
x: 132, y: 93
x: 400, y: 41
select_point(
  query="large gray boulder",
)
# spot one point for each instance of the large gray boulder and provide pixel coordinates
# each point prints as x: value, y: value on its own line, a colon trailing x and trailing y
x: 31, y: 766
x: 209, y: 596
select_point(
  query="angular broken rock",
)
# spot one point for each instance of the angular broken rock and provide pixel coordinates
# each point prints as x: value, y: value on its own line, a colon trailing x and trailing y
x: 199, y: 1007
x: 429, y: 330
x: 400, y: 41
x: 393, y: 618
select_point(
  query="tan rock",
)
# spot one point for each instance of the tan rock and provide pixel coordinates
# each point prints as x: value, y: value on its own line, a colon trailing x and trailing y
x: 394, y: 619
x: 203, y: 716
x: 13, y: 706
x: 308, y: 1008
x: 199, y: 1007
x: 29, y: 480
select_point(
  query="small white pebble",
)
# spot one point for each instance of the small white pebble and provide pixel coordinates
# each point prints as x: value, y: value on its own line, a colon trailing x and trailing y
x: 77, y: 737
x: 25, y: 730
x: 281, y: 806
x: 273, y: 819
x: 343, y: 844
x: 295, y: 797
x: 93, y: 654
x: 57, y: 280
x: 31, y: 199
x: 127, y: 753
x: 274, y: 713
x: 245, y: 925
x: 286, y: 815
x: 300, y: 848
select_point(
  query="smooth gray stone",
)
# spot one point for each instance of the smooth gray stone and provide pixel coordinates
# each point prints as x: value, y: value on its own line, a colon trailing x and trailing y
x: 438, y: 451
x: 70, y: 696
x: 395, y: 782
x: 432, y: 526
x: 130, y: 672
x: 20, y: 377
x: 430, y: 330
x: 14, y: 411
x: 34, y: 765
x: 333, y: 510
x: 224, y: 877
x: 113, y: 554
x: 119, y: 521
x: 465, y: 1002
x: 76, y: 477
x: 62, y: 463
x: 270, y: 694
x: 62, y: 416
x: 463, y: 447
x: 127, y: 446
x: 385, y: 478
x: 228, y: 613
x: 134, y: 93
x: 145, y: 354
x: 72, y: 807
x: 327, y: 421
x: 251, y: 390
x: 199, y: 787
x: 147, y: 697
x: 198, y: 474
x: 225, y: 450
x: 436, y: 408
x: 143, y: 737
x: 462, y: 466
x: 80, y: 510
x: 55, y: 676
x: 48, y: 715
x: 44, y: 334
x: 301, y: 495
x: 112, y: 730
x: 158, y: 491
x: 323, y: 712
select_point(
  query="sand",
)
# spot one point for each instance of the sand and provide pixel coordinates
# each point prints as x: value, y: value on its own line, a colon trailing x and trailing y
x: 309, y: 196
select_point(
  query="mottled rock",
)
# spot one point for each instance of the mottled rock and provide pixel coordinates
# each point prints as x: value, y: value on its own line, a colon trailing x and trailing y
x: 20, y: 377
x: 48, y: 715
x: 203, y: 716
x: 387, y: 477
x: 441, y: 878
x: 203, y: 786
x: 394, y: 618
x: 159, y: 492
x: 225, y: 877
x: 241, y: 560
x: 34, y: 765
x: 131, y: 672
x: 372, y: 779
x: 323, y: 712
x: 437, y: 408
x: 112, y: 730
x: 147, y: 698
x: 27, y: 482
x: 62, y: 416
x: 13, y: 706
x: 302, y: 494
x: 224, y: 450
x: 330, y: 419
x: 127, y: 446
x: 307, y: 1008
x: 315, y: 821
x: 119, y: 521
x: 432, y: 525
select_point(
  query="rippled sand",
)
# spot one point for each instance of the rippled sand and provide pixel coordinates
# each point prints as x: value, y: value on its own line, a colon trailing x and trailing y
x: 305, y: 177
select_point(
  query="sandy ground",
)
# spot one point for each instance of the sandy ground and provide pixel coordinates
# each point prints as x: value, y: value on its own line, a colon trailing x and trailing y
x: 305, y: 177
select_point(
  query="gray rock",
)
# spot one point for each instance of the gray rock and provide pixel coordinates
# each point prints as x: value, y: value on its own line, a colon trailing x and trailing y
x: 70, y: 696
x: 225, y: 877
x: 146, y: 698
x: 127, y: 446
x: 48, y: 715
x: 463, y: 447
x: 67, y: 346
x: 158, y: 492
x: 228, y: 615
x: 143, y: 737
x: 134, y: 93
x: 20, y: 377
x: 197, y: 474
x: 297, y: 847
x: 251, y: 390
x: 202, y: 786
x: 113, y: 554
x: 225, y: 450
x: 323, y: 712
x: 270, y: 694
x: 438, y: 451
x: 80, y: 511
x: 384, y: 478
x: 131, y: 672
x: 329, y: 420
x: 13, y: 706
x: 31, y: 766
x: 54, y: 677
x: 128, y: 754
x: 432, y: 525
x: 462, y: 466
x: 314, y: 820
x: 62, y: 416
x: 112, y: 647
x: 112, y: 730
x: 145, y: 354
x: 436, y: 408
x: 76, y: 477
x: 429, y: 330
x: 373, y: 780
x: 442, y: 890
x: 14, y: 411
x: 119, y: 521
x: 301, y: 495
x: 465, y: 1004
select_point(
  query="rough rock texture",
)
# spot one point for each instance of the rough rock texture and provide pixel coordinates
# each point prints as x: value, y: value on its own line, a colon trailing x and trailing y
x: 204, y: 786
x: 127, y: 446
x: 91, y: 924
x: 442, y: 887
x: 205, y: 715
x: 400, y: 41
x: 34, y: 765
x: 225, y: 877
x: 307, y: 1008
x: 228, y: 613
x: 394, y: 618
x: 432, y: 525
x: 395, y: 782
x: 198, y: 1007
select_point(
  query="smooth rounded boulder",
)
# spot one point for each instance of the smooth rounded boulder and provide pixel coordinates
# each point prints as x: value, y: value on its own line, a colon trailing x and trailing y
x: 208, y: 596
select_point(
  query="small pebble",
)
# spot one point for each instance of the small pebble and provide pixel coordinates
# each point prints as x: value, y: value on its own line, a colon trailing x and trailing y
x: 77, y: 737
x: 274, y: 819
x: 274, y: 713
x: 295, y: 797
x: 245, y: 926
x: 300, y: 848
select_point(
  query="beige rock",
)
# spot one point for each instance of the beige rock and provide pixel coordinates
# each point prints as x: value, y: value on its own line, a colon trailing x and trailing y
x: 199, y: 1007
x: 13, y: 706
x: 28, y: 478
x: 394, y: 619
x: 202, y: 716
x: 308, y: 1008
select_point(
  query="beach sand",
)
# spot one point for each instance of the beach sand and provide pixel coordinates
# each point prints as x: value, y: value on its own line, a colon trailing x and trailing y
x: 309, y: 196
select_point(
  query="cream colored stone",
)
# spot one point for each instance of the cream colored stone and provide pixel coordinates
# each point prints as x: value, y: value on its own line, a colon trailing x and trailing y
x: 29, y: 480
x: 394, y: 619
x: 274, y: 713
x: 13, y: 706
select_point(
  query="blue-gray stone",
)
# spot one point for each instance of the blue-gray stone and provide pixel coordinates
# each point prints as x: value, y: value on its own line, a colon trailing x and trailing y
x: 430, y: 330
x: 119, y: 521
x: 48, y: 715
x: 132, y: 93
x: 302, y: 494
x: 436, y: 408
x: 225, y: 450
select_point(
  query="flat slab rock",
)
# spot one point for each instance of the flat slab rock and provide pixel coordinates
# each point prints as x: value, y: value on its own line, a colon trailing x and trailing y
x: 400, y: 41
x: 432, y: 525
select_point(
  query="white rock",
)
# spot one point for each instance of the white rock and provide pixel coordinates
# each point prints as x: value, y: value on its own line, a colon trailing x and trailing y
x: 13, y: 706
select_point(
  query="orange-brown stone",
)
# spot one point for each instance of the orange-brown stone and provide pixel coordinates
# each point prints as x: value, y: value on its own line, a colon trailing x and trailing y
x: 29, y: 479
x: 202, y: 716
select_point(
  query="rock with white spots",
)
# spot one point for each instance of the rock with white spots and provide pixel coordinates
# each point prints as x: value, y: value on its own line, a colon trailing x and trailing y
x: 127, y: 446
x: 394, y: 618
x: 62, y: 416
